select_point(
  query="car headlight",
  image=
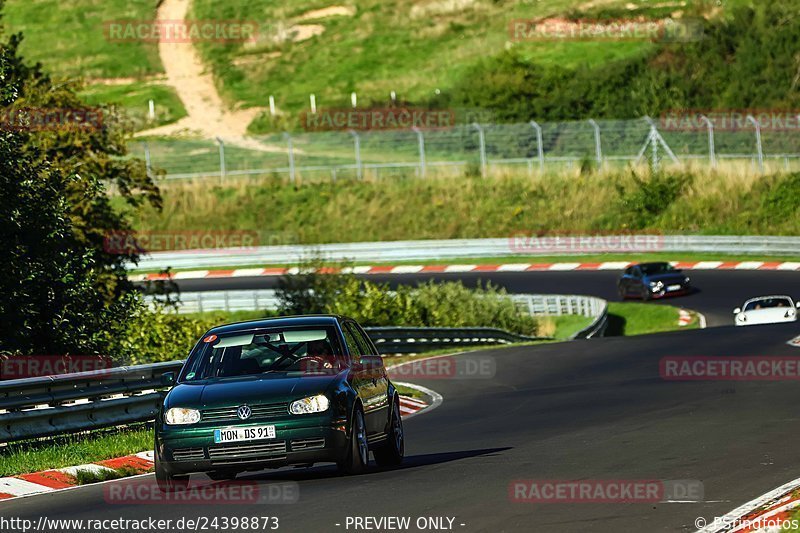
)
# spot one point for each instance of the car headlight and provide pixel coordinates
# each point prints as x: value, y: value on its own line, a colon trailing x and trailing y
x: 179, y: 416
x: 656, y: 285
x: 687, y: 280
x: 313, y: 404
x: 741, y: 317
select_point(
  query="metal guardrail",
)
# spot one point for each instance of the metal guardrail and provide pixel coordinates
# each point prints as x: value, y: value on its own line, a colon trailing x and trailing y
x: 430, y: 250
x: 401, y: 340
x: 71, y: 403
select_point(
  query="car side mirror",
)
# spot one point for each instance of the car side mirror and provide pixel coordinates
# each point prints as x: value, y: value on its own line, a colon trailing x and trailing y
x: 737, y: 310
x: 797, y: 305
x: 168, y: 379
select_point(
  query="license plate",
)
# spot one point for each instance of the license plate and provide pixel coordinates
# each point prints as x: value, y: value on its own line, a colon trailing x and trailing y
x: 244, y: 434
x: 674, y: 288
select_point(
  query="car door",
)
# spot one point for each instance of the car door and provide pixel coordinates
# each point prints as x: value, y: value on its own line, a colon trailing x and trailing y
x: 372, y: 380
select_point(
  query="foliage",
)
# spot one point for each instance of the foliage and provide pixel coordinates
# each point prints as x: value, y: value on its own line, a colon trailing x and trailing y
x: 376, y: 304
x: 747, y: 60
x: 644, y: 199
x: 62, y: 292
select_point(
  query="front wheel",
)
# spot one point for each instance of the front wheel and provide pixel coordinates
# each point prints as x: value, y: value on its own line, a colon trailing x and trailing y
x: 357, y: 457
x: 391, y: 453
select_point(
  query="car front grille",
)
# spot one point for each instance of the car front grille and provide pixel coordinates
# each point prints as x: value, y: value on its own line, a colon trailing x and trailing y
x: 307, y: 444
x: 259, y: 412
x: 243, y: 453
x: 188, y: 454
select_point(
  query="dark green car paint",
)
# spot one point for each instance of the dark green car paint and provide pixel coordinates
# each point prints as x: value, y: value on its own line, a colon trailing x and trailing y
x: 362, y: 384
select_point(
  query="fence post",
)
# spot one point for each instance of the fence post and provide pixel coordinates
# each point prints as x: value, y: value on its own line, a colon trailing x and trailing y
x: 598, y: 148
x: 539, y: 147
x: 200, y: 302
x: 482, y: 147
x: 712, y: 155
x: 290, y: 149
x: 147, y: 164
x: 221, y: 160
x: 421, y: 144
x: 357, y: 145
x: 759, y: 147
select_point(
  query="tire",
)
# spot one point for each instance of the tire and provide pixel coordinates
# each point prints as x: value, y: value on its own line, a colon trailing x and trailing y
x: 623, y: 294
x: 168, y: 483
x: 645, y: 294
x: 357, y: 456
x: 391, y: 453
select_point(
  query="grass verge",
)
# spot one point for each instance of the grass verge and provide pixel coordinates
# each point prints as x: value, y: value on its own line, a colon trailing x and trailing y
x: 134, y: 98
x: 628, y: 319
x: 60, y: 452
x: 453, y: 208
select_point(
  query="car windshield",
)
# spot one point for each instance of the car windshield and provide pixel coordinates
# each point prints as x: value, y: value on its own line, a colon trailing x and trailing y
x: 648, y: 269
x: 303, y: 351
x: 768, y: 303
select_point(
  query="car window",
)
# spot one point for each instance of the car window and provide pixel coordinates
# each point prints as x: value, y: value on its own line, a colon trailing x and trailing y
x: 656, y: 268
x: 353, y: 346
x: 301, y: 350
x: 365, y: 340
x: 364, y: 347
x: 768, y: 303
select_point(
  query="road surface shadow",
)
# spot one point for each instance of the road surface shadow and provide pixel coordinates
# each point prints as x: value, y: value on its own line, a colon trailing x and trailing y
x: 330, y: 471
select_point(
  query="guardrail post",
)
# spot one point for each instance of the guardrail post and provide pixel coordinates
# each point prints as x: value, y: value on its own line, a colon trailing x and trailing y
x: 482, y: 147
x: 199, y: 302
x: 221, y: 160
x: 712, y: 155
x: 421, y: 145
x: 539, y: 147
x: 290, y: 149
x: 227, y: 301
x: 759, y: 147
x: 598, y: 148
x: 357, y: 146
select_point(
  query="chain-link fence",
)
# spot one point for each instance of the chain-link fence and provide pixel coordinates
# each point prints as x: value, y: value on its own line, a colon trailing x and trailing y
x: 476, y: 149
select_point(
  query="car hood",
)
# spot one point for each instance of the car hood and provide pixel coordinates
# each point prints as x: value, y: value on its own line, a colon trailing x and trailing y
x: 769, y: 316
x: 252, y: 390
x: 667, y: 279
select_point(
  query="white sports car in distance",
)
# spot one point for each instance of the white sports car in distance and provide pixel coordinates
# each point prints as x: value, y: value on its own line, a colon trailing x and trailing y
x: 766, y: 310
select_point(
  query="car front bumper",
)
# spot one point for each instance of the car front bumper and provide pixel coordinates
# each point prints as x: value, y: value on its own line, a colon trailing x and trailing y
x: 188, y: 450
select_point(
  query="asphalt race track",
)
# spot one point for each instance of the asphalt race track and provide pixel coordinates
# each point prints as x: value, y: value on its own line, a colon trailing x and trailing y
x: 594, y: 409
x: 718, y: 291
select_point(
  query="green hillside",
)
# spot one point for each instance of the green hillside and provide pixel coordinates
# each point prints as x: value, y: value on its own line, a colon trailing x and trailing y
x: 372, y: 47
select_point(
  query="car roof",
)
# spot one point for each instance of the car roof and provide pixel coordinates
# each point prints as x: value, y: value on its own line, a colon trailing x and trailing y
x: 279, y: 322
x: 651, y: 263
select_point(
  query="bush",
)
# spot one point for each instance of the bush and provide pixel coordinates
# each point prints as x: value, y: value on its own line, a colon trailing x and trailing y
x: 427, y: 305
x: 643, y: 200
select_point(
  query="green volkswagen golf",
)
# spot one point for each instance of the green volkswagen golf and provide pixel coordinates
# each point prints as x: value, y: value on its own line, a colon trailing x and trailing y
x: 275, y: 392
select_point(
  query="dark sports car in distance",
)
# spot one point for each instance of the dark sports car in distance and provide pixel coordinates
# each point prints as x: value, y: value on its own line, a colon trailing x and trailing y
x: 652, y: 280
x: 276, y: 392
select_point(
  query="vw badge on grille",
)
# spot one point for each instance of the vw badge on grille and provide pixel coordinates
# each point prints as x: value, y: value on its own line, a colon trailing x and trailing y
x: 244, y: 412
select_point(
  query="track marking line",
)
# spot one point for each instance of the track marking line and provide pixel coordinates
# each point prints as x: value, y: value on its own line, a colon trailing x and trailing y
x: 772, y: 497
